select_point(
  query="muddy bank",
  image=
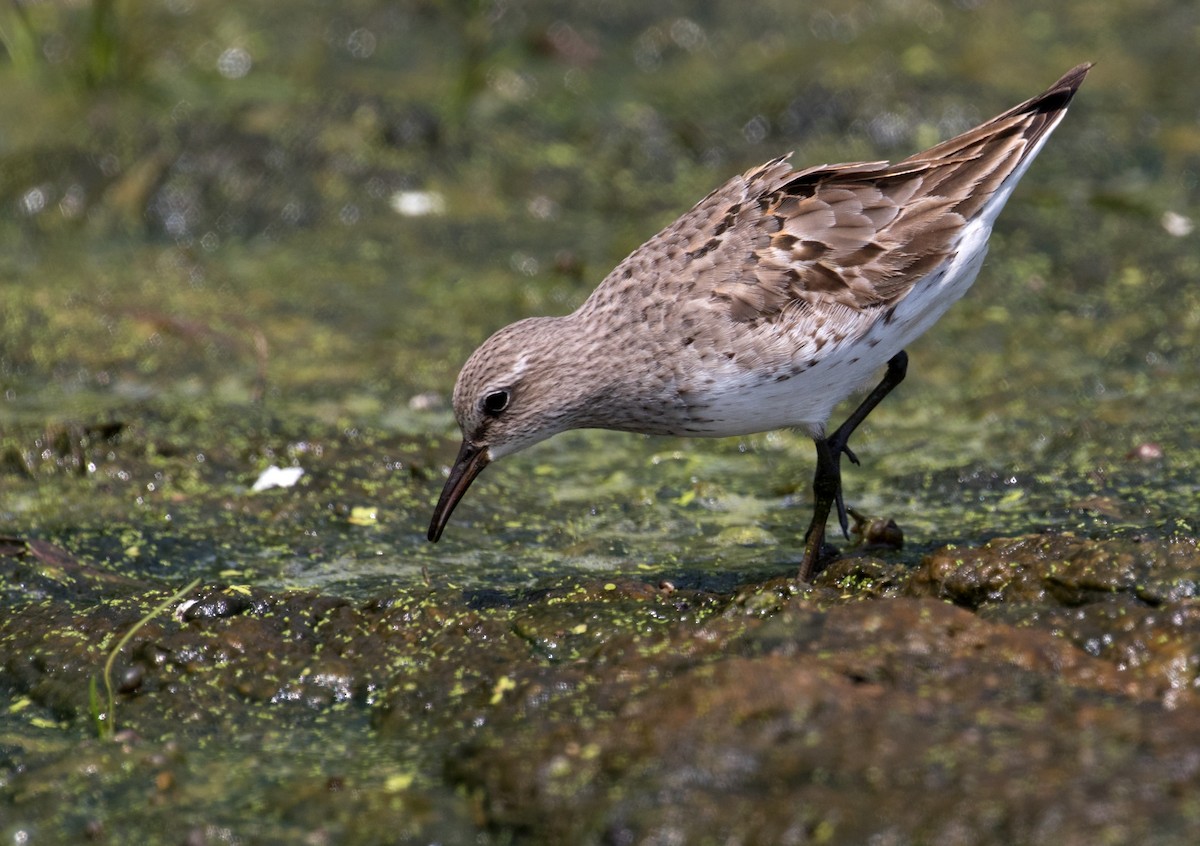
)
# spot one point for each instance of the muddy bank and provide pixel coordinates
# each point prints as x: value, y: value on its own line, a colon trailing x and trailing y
x: 1029, y: 690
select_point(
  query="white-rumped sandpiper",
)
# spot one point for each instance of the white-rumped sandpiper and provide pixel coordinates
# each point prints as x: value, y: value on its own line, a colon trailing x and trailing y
x: 776, y: 297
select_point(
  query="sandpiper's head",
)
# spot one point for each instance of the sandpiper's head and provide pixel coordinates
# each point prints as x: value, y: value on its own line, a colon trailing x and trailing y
x: 506, y: 399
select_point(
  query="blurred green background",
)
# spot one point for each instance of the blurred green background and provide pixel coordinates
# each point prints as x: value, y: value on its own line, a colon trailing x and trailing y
x: 374, y: 186
x: 233, y: 232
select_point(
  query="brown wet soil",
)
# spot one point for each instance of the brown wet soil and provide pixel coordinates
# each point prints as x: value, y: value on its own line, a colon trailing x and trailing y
x: 1034, y: 689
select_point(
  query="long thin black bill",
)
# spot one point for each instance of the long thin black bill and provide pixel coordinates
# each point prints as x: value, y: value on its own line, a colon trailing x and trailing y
x: 469, y: 464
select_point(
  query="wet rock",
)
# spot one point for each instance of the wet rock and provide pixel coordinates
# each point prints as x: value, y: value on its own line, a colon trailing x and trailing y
x: 1025, y: 569
x: 1062, y: 569
x: 620, y: 710
x: 219, y: 604
x: 905, y: 719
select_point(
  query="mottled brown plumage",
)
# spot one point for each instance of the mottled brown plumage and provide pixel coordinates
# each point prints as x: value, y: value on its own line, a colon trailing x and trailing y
x: 769, y: 302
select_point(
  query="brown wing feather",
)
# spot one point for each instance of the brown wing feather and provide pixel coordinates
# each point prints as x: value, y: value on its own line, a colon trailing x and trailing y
x: 853, y: 234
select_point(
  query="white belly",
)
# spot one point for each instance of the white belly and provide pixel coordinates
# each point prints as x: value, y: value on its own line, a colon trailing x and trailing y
x: 740, y: 401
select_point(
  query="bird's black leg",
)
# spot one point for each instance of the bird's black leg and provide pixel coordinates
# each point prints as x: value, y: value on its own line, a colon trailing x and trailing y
x: 827, y: 487
x: 827, y: 480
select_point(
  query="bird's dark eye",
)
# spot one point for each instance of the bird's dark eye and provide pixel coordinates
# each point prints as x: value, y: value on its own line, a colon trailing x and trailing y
x: 495, y: 402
